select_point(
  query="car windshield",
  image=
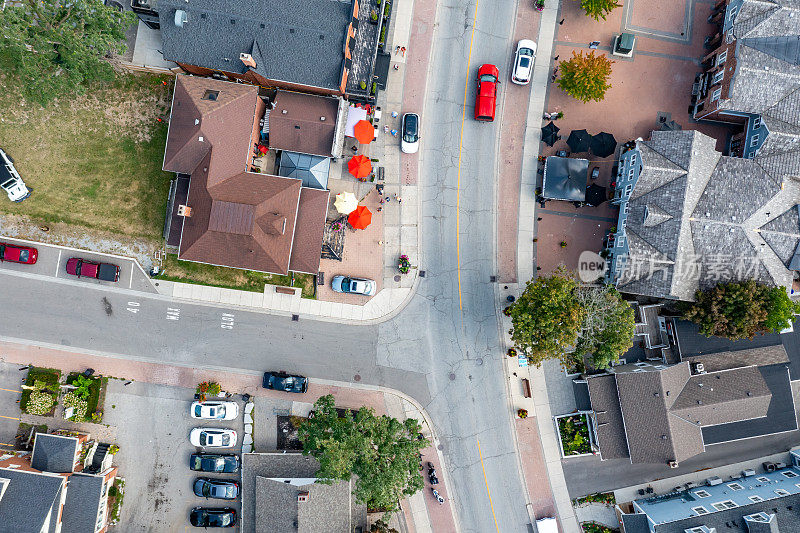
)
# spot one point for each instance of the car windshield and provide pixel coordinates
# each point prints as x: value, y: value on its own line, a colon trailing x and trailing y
x: 198, y: 410
x: 8, y: 183
x: 220, y: 520
x: 207, y: 490
x: 23, y: 255
x: 203, y: 439
x: 524, y: 62
x: 488, y: 77
x: 525, y: 52
x: 346, y: 284
x: 226, y: 440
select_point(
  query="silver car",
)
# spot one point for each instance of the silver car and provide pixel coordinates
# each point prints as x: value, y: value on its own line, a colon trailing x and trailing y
x: 353, y: 285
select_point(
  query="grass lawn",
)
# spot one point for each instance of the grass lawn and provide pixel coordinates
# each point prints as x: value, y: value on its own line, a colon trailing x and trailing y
x: 230, y: 278
x: 50, y: 376
x: 93, y: 161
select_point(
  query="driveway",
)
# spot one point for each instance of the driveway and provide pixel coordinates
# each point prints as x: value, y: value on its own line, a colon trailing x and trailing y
x: 52, y: 263
x: 153, y: 426
x: 10, y: 379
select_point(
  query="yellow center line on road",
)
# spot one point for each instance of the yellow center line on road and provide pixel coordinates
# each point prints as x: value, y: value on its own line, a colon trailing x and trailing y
x: 5, y: 444
x: 486, y: 481
x: 9, y: 417
x: 10, y: 390
x: 460, y: 148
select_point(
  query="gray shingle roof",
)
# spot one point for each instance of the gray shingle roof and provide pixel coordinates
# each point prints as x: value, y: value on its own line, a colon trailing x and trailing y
x: 54, y: 453
x: 296, y: 41
x: 608, y: 417
x: 83, y: 503
x: 28, y: 500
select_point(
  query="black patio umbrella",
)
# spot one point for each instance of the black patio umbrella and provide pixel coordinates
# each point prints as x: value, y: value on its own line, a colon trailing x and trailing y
x: 550, y: 134
x: 595, y: 194
x: 603, y: 144
x: 579, y: 140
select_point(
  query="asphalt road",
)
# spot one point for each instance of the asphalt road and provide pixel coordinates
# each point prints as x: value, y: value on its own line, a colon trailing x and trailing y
x: 10, y: 392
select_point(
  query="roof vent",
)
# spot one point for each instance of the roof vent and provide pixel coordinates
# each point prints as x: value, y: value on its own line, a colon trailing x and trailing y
x: 200, y: 138
x: 284, y: 111
x: 196, y: 121
x: 663, y: 437
x: 181, y: 18
x: 302, y: 496
x: 184, y: 211
x: 322, y: 119
x: 248, y: 60
x: 699, y: 402
x: 749, y: 393
x: 655, y: 394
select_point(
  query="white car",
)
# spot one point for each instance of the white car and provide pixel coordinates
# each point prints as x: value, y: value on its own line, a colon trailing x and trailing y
x: 215, y: 410
x: 353, y: 285
x: 10, y: 180
x: 213, y: 438
x: 523, y: 62
x: 409, y: 142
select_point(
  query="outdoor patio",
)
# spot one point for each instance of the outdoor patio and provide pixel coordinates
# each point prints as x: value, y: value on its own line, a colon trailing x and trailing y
x: 656, y: 82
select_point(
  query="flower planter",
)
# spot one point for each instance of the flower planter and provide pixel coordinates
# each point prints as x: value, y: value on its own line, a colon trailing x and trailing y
x: 522, y: 413
x: 403, y: 264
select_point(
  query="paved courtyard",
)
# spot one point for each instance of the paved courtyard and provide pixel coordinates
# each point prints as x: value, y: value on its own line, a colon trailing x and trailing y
x: 655, y: 82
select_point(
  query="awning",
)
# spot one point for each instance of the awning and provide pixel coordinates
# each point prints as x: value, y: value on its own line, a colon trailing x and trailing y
x: 565, y: 179
x: 354, y: 114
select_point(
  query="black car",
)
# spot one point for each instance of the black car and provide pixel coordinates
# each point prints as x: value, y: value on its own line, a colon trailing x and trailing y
x: 213, y: 462
x: 216, y: 488
x: 204, y: 517
x: 285, y: 382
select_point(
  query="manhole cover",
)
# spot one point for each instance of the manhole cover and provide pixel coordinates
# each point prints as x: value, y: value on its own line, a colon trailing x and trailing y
x: 452, y: 376
x: 479, y: 361
x: 357, y: 377
x: 397, y: 278
x: 440, y: 447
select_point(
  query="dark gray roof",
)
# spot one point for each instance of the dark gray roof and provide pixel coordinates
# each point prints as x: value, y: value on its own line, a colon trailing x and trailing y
x: 580, y: 389
x: 635, y: 523
x: 263, y: 505
x: 28, y: 500
x: 83, y: 503
x: 608, y: 417
x: 759, y: 356
x: 296, y: 41
x: 54, y: 453
x: 786, y: 510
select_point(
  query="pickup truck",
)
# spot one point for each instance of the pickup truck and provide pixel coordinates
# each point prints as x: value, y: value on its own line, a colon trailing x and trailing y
x: 10, y: 180
x: 90, y: 269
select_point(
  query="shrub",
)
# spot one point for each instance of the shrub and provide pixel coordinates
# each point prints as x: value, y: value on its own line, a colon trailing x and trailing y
x: 40, y: 403
x: 80, y: 406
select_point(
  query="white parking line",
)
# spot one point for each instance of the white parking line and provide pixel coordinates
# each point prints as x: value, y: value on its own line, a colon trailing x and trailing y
x: 130, y: 284
x: 58, y: 263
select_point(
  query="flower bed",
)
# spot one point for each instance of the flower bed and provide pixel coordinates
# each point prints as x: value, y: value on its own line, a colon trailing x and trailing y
x: 574, y: 432
x: 40, y: 400
x: 594, y: 527
x: 606, y: 498
x: 86, y: 398
x: 404, y: 264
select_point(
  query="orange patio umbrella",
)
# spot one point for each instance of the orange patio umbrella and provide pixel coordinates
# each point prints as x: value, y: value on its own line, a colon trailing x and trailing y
x: 359, y: 166
x: 360, y: 218
x: 364, y: 131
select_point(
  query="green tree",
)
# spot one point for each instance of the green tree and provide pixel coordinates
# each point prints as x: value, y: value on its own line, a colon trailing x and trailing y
x: 381, y: 451
x: 57, y: 48
x: 608, y: 325
x: 740, y: 309
x: 599, y: 9
x: 547, y: 317
x: 585, y: 76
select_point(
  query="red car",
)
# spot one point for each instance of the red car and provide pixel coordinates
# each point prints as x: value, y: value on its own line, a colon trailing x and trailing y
x: 18, y: 254
x: 89, y: 269
x: 486, y: 97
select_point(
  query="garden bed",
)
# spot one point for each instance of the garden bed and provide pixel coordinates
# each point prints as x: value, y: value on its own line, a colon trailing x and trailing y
x: 90, y: 390
x: 606, y: 498
x: 574, y: 435
x: 594, y: 527
x: 287, y: 433
x: 115, y: 496
x: 47, y: 381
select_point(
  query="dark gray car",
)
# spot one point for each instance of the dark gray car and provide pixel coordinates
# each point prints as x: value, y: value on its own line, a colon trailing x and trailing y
x: 285, y: 382
x: 216, y: 488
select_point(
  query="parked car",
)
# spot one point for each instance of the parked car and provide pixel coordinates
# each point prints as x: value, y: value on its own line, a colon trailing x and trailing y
x: 353, y: 285
x: 409, y: 143
x: 215, y: 488
x: 212, y: 462
x: 486, y: 97
x: 285, y: 382
x: 213, y: 437
x: 18, y: 254
x: 91, y: 269
x: 204, y: 517
x: 523, y: 62
x: 10, y: 180
x: 215, y: 410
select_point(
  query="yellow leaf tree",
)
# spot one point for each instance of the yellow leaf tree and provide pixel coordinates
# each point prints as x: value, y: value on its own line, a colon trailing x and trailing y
x: 585, y: 76
x: 599, y: 9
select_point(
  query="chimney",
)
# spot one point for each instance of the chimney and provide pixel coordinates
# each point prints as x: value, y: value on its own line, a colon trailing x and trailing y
x: 248, y: 60
x: 184, y: 211
x: 302, y: 496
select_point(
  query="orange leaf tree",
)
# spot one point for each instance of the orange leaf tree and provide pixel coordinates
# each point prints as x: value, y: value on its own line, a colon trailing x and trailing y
x: 585, y: 77
x: 598, y: 9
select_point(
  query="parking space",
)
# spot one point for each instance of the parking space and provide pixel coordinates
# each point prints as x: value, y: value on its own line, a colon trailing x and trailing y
x: 10, y: 379
x: 52, y: 262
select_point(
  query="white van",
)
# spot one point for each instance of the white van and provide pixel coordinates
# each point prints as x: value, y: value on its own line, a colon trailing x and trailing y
x: 10, y: 180
x: 547, y: 525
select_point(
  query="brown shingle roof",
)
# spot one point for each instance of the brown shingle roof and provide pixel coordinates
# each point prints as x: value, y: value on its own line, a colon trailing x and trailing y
x: 239, y: 219
x: 296, y: 123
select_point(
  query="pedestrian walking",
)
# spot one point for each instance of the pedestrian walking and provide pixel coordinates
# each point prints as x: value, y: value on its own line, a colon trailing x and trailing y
x: 556, y: 58
x: 561, y: 22
x: 380, y: 243
x: 396, y: 66
x: 388, y: 199
x: 594, y: 44
x: 397, y: 49
x: 403, y: 51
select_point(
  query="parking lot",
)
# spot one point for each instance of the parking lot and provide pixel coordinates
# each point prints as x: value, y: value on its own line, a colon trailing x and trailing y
x: 10, y: 379
x: 52, y: 262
